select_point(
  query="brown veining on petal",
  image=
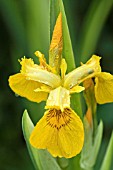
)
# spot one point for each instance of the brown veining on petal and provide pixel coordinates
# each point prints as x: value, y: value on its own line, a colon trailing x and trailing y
x: 58, y: 119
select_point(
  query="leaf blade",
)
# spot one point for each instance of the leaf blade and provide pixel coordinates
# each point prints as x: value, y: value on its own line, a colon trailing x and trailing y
x: 108, y: 156
x: 67, y: 47
x: 41, y: 159
x: 69, y: 56
x: 91, y: 148
x: 92, y: 27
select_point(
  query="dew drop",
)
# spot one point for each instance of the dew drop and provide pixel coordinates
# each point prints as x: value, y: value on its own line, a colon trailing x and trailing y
x: 16, y: 95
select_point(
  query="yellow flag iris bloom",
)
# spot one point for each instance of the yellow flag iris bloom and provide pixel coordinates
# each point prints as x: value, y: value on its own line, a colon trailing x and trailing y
x: 60, y: 130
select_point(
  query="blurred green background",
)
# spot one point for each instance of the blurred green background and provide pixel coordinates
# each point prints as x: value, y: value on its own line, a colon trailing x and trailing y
x: 24, y: 28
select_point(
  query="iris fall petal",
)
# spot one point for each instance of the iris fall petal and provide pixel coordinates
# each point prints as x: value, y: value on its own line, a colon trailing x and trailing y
x: 61, y: 133
x: 25, y: 88
x: 104, y: 88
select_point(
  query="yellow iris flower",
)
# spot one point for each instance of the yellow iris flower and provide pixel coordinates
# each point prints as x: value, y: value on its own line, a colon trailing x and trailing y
x: 60, y: 130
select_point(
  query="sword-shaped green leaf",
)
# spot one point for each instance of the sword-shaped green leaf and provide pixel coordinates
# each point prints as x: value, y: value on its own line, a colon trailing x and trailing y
x: 67, y: 46
x: 91, y: 146
x: 92, y: 27
x: 41, y: 159
x: 108, y: 156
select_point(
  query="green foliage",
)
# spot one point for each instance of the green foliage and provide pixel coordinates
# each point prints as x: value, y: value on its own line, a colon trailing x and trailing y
x: 56, y: 6
x: 67, y: 47
x: 37, y: 26
x: 91, y: 145
x: 93, y: 24
x: 108, y: 158
x: 15, y: 26
x: 41, y: 159
x: 54, y: 11
x: 69, y: 56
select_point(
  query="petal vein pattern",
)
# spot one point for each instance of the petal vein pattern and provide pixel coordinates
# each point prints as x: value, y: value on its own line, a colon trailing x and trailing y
x: 61, y: 133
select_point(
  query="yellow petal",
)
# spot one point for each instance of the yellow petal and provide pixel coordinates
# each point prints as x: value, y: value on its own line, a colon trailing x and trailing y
x: 43, y: 62
x: 77, y: 89
x: 43, y: 88
x: 90, y: 69
x: 59, y: 98
x: 63, y: 68
x: 36, y: 73
x: 25, y: 88
x: 61, y: 133
x: 26, y: 63
x: 57, y: 34
x: 56, y: 45
x: 104, y: 88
